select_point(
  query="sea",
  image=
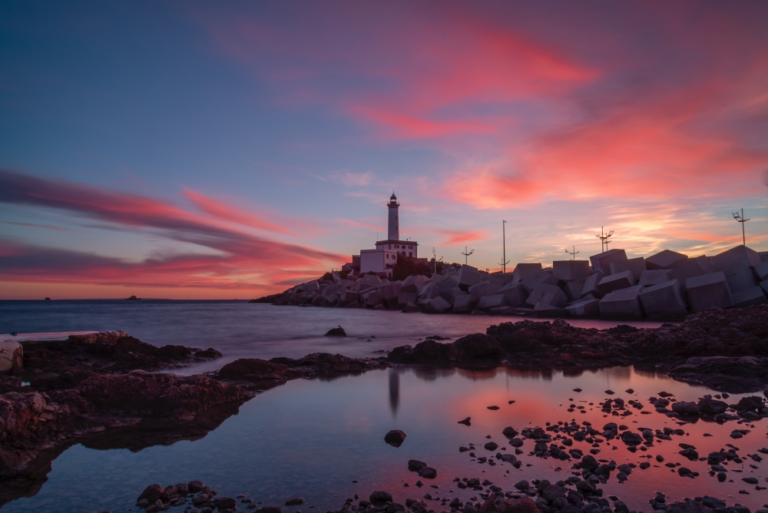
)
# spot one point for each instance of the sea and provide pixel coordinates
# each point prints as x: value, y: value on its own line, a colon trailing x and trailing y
x: 323, y: 439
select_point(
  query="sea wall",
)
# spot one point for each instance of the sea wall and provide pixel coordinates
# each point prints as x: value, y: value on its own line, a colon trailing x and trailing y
x: 665, y: 286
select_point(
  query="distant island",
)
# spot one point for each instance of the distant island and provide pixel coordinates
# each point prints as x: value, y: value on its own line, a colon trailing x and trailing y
x: 133, y: 298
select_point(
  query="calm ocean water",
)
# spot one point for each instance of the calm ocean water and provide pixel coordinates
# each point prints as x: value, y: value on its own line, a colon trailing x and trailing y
x: 323, y: 439
x: 239, y: 329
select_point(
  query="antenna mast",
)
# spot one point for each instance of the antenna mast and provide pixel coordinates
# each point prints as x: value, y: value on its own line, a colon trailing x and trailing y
x: 604, y: 239
x: 504, y: 260
x: 741, y: 219
x: 466, y: 254
x: 573, y: 253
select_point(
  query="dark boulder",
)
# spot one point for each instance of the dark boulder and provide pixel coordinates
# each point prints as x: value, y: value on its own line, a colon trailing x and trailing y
x: 478, y: 346
x: 395, y: 438
x: 378, y: 498
x: 709, y: 406
x: 336, y: 332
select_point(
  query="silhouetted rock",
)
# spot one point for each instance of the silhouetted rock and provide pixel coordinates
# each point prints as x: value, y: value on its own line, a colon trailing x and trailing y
x: 395, y: 438
x: 336, y: 332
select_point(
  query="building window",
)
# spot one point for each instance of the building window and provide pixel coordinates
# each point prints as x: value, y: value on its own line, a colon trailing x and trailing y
x: 410, y: 254
x: 397, y: 246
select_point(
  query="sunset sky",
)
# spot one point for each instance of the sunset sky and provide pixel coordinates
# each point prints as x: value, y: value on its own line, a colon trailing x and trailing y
x: 230, y: 150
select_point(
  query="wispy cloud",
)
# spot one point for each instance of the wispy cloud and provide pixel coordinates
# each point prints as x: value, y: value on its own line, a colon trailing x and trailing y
x: 238, y: 258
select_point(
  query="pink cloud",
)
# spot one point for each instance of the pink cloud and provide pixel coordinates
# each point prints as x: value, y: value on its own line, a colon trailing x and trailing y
x: 240, y: 260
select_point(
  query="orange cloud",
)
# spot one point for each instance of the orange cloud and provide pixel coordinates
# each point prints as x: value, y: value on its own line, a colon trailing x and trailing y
x: 457, y: 237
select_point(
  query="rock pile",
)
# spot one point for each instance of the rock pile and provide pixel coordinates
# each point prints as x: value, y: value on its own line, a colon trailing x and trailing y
x: 665, y: 286
x: 723, y: 349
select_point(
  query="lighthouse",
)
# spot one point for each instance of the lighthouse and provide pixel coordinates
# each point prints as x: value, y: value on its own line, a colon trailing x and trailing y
x: 393, y: 233
x: 382, y: 259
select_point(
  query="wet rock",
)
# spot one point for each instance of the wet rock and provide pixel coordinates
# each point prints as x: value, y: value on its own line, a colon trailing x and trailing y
x: 500, y: 504
x: 395, y: 438
x: 151, y: 493
x: 225, y: 503
x: 491, y: 446
x: 428, y: 472
x: 296, y: 501
x: 752, y: 403
x: 686, y: 409
x: 466, y: 421
x: 416, y: 465
x: 195, y: 486
x: 336, y: 332
x: 688, y: 506
x: 709, y: 406
x: 379, y: 497
x: 631, y: 438
x: 509, y: 432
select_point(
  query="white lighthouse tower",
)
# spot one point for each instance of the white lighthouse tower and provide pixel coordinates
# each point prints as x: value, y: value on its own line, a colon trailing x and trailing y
x: 393, y: 233
x: 382, y: 259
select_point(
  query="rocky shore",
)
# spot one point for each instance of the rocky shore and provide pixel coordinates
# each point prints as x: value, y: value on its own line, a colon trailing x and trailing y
x: 110, y: 390
x: 106, y: 390
x: 726, y: 350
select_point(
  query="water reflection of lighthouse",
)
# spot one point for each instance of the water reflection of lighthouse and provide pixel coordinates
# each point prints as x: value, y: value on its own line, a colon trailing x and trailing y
x: 394, y: 390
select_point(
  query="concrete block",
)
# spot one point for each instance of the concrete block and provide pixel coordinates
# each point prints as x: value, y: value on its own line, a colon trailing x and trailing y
x: 490, y: 302
x: 622, y: 304
x: 691, y: 268
x: 708, y: 291
x: 584, y: 308
x: 654, y: 277
x: 437, y: 305
x: 465, y: 303
x: 391, y: 291
x: 311, y: 287
x: 409, y: 284
x: 750, y: 297
x: 591, y: 283
x: 636, y: 265
x: 571, y: 270
x: 514, y: 294
x: 547, y: 294
x: 450, y: 295
x: 484, y: 288
x: 429, y: 292
x: 522, y: 271
x: 764, y: 286
x: 618, y: 281
x: 763, y: 255
x: 730, y: 261
x: 349, y: 296
x: 666, y: 259
x: 406, y: 297
x: 372, y: 280
x: 602, y: 261
x: 545, y: 311
x: 448, y: 283
x: 421, y: 283
x: 664, y: 297
x: 501, y: 279
x: 762, y: 271
x: 743, y: 279
x: 374, y: 298
x: 540, y: 276
x: 468, y: 276
x: 411, y: 308
x: 573, y: 289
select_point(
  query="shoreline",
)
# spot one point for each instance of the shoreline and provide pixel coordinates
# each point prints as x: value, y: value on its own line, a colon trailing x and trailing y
x: 121, y: 386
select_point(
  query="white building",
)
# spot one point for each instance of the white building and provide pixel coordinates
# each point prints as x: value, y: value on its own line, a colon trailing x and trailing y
x: 384, y: 257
